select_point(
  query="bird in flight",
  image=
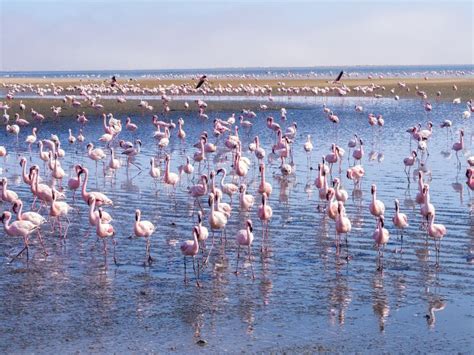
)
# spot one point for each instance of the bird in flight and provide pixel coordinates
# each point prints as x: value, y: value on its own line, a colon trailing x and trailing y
x: 339, y: 76
x: 201, y: 81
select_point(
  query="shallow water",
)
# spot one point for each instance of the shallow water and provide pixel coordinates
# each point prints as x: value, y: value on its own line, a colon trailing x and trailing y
x: 303, y: 297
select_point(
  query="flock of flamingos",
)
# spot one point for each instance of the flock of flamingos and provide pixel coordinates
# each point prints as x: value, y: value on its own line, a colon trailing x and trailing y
x: 49, y: 204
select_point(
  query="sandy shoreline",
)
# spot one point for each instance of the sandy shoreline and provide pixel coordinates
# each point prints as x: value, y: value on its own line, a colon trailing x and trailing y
x: 385, y: 88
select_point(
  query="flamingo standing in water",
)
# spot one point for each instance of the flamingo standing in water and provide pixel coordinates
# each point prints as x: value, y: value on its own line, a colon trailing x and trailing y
x: 144, y: 229
x: 101, y: 198
x: 343, y: 226
x: 265, y: 213
x: 22, y: 229
x: 459, y: 146
x: 437, y: 232
x: 376, y: 207
x: 400, y: 221
x: 191, y: 248
x: 244, y: 238
x: 170, y: 178
x: 381, y: 237
x: 104, y: 231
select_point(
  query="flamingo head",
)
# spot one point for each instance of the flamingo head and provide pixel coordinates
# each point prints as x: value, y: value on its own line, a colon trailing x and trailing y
x: 137, y: 215
x: 22, y: 161
x: 211, y: 199
x: 90, y: 200
x: 373, y: 188
x: 205, y: 179
x: 196, y: 232
x: 5, y: 216
x: 330, y: 193
x: 242, y: 188
x: 250, y: 225
x: 16, y: 205
x: 199, y: 217
x: 382, y: 221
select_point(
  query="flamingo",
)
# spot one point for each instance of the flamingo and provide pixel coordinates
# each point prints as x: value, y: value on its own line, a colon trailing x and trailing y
x: 22, y: 229
x: 203, y: 232
x: 75, y: 181
x: 144, y: 229
x: 265, y: 213
x: 33, y: 217
x: 132, y: 127
x: 114, y: 163
x: 343, y: 226
x: 264, y: 187
x: 101, y: 198
x: 381, y: 237
x: 59, y: 209
x: 217, y: 220
x: 191, y: 248
x: 376, y: 207
x: 459, y: 146
x: 94, y: 215
x: 308, y: 148
x: 341, y: 194
x: 409, y: 162
x: 246, y: 200
x: 5, y: 194
x: 228, y: 188
x: 358, y: 154
x: 103, y: 231
x: 170, y: 178
x: 427, y: 207
x: 244, y: 238
x: 71, y: 139
x: 96, y: 154
x: 437, y: 232
x: 400, y: 221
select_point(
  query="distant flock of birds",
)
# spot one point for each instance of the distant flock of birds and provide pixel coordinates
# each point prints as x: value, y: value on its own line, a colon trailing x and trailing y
x: 51, y: 199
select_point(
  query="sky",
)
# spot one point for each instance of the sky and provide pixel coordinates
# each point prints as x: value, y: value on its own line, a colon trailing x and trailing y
x: 140, y: 34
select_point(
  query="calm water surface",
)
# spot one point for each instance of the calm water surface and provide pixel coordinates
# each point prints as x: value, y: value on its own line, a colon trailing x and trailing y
x: 303, y: 297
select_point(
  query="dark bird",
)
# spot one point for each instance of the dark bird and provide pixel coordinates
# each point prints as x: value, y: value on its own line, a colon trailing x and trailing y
x: 114, y: 81
x: 339, y: 76
x: 201, y: 81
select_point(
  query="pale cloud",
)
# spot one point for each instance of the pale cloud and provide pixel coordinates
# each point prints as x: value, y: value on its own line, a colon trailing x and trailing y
x: 71, y: 35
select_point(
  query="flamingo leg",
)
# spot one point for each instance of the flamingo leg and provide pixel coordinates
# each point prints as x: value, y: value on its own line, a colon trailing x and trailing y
x: 184, y: 259
x: 21, y: 252
x: 195, y: 275
x: 250, y: 261
x: 238, y: 256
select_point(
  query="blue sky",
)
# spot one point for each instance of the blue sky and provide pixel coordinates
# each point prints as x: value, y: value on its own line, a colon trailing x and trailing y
x: 86, y: 35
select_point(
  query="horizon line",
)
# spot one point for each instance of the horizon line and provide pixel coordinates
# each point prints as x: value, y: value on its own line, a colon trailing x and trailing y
x: 243, y: 67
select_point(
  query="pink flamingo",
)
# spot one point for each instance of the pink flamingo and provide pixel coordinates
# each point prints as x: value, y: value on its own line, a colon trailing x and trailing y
x: 246, y: 201
x: 459, y: 146
x: 144, y: 229
x: 170, y: 178
x: 22, y: 229
x: 343, y: 226
x: 381, y: 237
x: 264, y: 187
x: 376, y: 207
x: 409, y: 162
x: 59, y: 209
x: 75, y: 181
x: 100, y: 198
x: 437, y: 232
x: 244, y: 238
x: 400, y: 221
x: 7, y: 195
x: 103, y: 231
x: 191, y: 248
x: 265, y: 213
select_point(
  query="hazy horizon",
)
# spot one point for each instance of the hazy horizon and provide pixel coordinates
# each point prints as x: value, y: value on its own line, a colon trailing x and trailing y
x: 58, y: 35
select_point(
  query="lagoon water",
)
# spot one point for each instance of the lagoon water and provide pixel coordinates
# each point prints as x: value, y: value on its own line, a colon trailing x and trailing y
x: 303, y: 298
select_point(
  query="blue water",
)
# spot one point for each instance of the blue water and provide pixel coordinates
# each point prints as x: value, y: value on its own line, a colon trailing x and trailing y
x: 308, y: 72
x: 303, y: 298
